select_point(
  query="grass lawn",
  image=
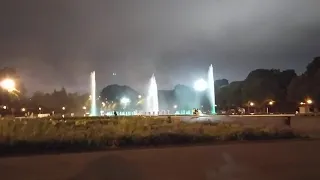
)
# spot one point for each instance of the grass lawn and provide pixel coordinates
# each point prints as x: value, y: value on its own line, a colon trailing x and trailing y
x: 45, y: 135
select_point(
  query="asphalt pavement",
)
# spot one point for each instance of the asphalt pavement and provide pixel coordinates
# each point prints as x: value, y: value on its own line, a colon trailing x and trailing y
x: 283, y: 160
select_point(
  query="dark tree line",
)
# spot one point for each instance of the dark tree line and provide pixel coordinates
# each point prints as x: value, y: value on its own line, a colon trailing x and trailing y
x: 285, y: 88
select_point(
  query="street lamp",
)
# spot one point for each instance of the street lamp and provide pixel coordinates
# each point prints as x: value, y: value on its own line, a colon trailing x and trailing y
x: 8, y: 84
x: 23, y: 109
x: 175, y: 106
x: 84, y: 108
x: 270, y: 104
x: 139, y: 97
x: 250, y: 104
x: 63, y: 108
x: 309, y: 101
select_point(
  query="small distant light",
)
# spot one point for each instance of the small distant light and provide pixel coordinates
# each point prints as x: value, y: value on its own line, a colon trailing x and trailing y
x: 114, y: 74
x: 4, y: 107
x: 23, y: 109
x: 175, y: 106
x: 139, y: 96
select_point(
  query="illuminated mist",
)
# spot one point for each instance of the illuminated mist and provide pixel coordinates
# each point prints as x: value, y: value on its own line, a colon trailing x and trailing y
x: 93, y: 111
x: 152, y: 104
x: 211, y: 90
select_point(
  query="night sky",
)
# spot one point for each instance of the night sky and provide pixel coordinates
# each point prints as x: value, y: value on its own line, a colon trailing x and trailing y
x: 55, y: 43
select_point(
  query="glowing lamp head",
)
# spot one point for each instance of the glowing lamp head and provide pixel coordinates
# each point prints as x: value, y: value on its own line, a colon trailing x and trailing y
x: 309, y: 101
x: 8, y: 84
x: 200, y: 85
x: 271, y: 103
x: 251, y: 104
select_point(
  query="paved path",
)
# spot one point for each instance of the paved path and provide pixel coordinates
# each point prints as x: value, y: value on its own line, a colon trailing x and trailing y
x: 292, y: 160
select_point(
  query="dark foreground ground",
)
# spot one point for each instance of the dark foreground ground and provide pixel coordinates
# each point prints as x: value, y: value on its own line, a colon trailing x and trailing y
x: 292, y: 160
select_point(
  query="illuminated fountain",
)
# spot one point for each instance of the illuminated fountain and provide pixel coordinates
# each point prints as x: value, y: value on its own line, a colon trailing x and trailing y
x: 152, y: 104
x: 93, y: 111
x: 211, y: 90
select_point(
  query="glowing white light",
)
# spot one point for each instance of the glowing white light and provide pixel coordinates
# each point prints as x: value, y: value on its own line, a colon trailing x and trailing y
x: 175, y: 106
x: 8, y: 84
x: 309, y: 101
x: 23, y: 109
x: 200, y: 85
x: 139, y: 96
x: 125, y: 100
x: 63, y: 108
x: 4, y: 107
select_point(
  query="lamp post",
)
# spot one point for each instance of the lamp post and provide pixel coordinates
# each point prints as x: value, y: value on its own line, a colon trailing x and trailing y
x: 250, y: 104
x: 84, y: 109
x: 270, y: 103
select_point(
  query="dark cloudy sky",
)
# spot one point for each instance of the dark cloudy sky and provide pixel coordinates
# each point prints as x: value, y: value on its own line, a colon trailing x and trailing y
x: 56, y: 43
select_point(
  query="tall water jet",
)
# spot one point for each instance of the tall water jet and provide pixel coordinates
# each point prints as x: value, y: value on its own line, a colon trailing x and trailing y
x: 211, y: 90
x: 152, y: 104
x: 93, y: 110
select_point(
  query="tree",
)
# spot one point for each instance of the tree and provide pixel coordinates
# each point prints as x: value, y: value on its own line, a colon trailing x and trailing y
x: 166, y: 99
x: 261, y: 85
x: 313, y: 68
x: 114, y: 93
x: 230, y: 95
x: 220, y: 83
x: 307, y: 85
